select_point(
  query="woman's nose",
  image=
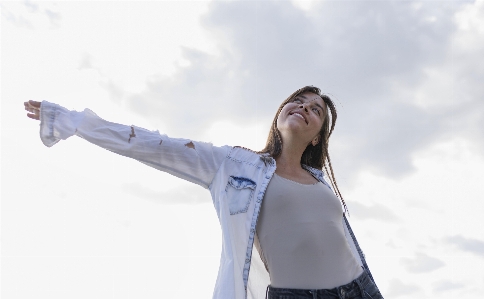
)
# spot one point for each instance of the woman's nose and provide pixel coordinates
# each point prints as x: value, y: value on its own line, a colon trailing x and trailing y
x: 304, y: 106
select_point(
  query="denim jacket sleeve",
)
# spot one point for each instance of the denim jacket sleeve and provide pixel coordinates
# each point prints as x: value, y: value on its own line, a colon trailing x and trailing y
x: 194, y: 161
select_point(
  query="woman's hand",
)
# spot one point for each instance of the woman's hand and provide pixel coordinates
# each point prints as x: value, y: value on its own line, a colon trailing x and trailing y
x: 34, y: 108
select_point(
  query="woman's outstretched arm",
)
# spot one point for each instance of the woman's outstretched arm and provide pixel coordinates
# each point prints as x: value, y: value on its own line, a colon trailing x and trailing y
x: 193, y: 161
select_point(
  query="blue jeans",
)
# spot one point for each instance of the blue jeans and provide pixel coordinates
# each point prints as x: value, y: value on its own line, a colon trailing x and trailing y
x: 361, y: 287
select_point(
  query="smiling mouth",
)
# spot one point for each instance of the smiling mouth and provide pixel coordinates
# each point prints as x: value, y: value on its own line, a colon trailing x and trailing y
x: 300, y: 116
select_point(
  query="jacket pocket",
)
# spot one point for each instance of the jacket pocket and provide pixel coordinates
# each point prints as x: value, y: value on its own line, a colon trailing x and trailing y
x: 239, y: 193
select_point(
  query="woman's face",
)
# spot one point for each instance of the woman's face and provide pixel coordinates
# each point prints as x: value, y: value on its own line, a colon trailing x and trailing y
x: 302, y: 117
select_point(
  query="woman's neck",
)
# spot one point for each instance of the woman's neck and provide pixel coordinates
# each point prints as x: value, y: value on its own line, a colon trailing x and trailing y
x: 289, y: 161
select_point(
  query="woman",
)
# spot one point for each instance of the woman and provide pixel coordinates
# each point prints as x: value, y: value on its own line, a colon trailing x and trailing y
x: 302, y: 235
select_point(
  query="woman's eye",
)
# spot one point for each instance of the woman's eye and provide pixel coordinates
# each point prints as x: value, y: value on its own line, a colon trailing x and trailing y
x: 317, y: 111
x: 297, y: 100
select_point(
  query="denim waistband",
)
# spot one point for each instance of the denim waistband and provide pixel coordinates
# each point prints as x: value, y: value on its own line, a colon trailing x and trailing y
x: 349, y: 290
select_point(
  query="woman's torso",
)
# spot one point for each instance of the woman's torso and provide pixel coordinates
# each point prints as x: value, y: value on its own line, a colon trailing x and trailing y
x: 300, y: 236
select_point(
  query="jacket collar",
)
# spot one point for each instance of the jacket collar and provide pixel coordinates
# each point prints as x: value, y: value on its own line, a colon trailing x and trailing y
x: 318, y: 174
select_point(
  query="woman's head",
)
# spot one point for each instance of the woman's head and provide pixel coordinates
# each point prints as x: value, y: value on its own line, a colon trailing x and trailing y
x: 300, y: 120
x: 320, y: 117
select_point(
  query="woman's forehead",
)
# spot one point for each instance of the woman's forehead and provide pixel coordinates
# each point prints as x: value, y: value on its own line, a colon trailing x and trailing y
x: 310, y: 96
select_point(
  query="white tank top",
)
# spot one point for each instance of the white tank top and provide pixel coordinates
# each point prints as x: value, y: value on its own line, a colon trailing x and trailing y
x: 300, y: 237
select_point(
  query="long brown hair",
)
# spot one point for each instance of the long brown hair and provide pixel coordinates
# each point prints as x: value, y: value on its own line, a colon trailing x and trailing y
x: 315, y: 156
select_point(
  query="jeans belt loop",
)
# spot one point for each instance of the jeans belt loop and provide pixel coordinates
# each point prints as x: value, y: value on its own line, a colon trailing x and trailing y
x: 362, y: 291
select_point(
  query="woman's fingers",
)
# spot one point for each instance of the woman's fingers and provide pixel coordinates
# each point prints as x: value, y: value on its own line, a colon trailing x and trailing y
x: 34, y: 108
x: 35, y: 104
x: 28, y: 107
x: 32, y: 104
x: 34, y: 116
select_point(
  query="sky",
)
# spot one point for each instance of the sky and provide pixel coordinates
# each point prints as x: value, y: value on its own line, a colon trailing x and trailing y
x: 78, y: 221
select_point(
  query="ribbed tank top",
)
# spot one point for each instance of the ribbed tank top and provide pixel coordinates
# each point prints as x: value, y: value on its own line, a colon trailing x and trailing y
x: 300, y: 237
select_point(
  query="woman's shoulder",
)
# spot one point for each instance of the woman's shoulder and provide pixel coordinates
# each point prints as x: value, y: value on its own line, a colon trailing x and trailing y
x: 249, y: 156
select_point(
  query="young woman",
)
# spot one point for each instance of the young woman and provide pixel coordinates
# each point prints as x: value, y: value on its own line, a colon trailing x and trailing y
x: 277, y: 199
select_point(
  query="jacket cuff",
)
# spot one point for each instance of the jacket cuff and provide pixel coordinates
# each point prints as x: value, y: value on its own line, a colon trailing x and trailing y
x: 56, y: 123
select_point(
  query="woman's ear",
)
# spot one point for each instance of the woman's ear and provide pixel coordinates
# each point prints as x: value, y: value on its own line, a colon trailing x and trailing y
x: 315, y: 140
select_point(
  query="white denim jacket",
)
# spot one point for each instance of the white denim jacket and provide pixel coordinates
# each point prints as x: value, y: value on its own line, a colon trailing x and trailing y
x: 236, y: 178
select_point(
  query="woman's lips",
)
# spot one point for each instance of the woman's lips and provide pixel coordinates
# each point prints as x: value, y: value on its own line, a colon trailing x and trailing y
x: 299, y: 116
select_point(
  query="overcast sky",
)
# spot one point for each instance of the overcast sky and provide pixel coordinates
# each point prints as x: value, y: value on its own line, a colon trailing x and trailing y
x: 78, y: 221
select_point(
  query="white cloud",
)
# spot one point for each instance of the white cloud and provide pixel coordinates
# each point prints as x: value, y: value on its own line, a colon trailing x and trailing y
x: 472, y: 245
x: 422, y: 263
x: 190, y: 194
x: 399, y: 288
x: 446, y: 286
x: 391, y: 81
x: 375, y: 211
